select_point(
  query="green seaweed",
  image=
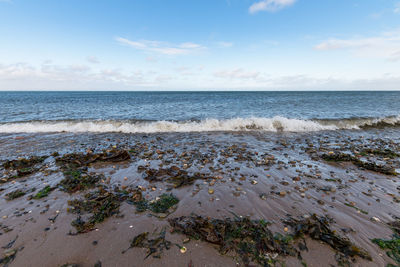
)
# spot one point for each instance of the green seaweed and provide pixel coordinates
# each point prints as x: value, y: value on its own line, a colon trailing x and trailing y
x: 155, y: 246
x: 158, y: 205
x: 76, y: 180
x: 354, y: 207
x: 392, y: 246
x: 250, y: 240
x: 372, y: 166
x: 44, y: 192
x: 100, y: 204
x: 15, y: 194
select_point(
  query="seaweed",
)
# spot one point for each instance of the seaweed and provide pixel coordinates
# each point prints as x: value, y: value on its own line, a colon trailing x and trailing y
x: 354, y: 207
x: 318, y: 228
x: 44, y: 192
x: 250, y: 240
x: 372, y: 166
x: 100, y: 204
x: 155, y: 246
x: 392, y: 246
x: 15, y: 194
x: 76, y: 180
x: 75, y: 169
x: 173, y: 175
x: 387, y: 153
x: 161, y: 204
x: 21, y: 167
x: 9, y: 256
x: 23, y: 163
x: 77, y: 160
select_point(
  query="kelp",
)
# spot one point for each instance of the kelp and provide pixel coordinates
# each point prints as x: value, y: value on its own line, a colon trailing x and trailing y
x: 75, y: 168
x: 21, y: 167
x: 155, y: 245
x: 15, y: 194
x: 173, y: 175
x: 77, y: 160
x: 101, y: 204
x: 368, y: 165
x: 161, y: 204
x: 23, y: 163
x: 44, y: 192
x: 250, y: 240
x: 78, y: 179
x: 391, y: 246
x: 8, y: 257
x: 318, y: 228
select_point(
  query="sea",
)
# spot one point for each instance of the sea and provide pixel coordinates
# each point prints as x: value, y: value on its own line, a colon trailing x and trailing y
x: 153, y: 112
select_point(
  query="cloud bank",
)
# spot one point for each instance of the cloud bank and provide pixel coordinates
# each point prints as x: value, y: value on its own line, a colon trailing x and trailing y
x: 270, y: 5
x: 161, y: 47
x: 386, y: 46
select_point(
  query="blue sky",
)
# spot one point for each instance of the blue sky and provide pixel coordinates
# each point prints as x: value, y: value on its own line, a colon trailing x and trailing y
x: 199, y: 45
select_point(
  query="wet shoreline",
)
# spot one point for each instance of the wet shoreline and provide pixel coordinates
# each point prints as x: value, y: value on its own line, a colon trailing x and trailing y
x: 255, y: 175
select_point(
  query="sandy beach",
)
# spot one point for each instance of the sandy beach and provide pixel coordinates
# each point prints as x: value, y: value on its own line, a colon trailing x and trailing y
x: 250, y: 178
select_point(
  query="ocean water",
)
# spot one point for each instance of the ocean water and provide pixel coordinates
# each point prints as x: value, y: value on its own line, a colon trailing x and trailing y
x: 136, y: 112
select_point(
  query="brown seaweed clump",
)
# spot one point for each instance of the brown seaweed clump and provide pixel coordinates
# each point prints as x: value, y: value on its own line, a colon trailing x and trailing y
x: 368, y: 165
x: 163, y: 204
x: 173, y: 175
x: 391, y: 246
x: 101, y: 204
x: 77, y: 160
x: 251, y: 241
x: 78, y: 179
x: 15, y: 194
x: 75, y: 169
x: 155, y: 245
x: 318, y: 228
x: 21, y: 167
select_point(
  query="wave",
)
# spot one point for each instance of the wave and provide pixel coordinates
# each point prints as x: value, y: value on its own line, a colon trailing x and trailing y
x: 275, y: 124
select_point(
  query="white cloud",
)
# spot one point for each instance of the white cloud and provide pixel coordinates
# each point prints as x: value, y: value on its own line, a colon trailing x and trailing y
x: 270, y: 5
x: 386, y: 45
x: 225, y: 44
x: 237, y: 74
x: 162, y: 47
x: 397, y: 8
x: 49, y: 76
x: 93, y: 59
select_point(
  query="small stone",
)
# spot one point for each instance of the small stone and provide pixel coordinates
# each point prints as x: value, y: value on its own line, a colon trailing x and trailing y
x: 282, y: 193
x: 9, y: 253
x: 263, y: 196
x: 376, y: 219
x: 183, y: 250
x: 211, y: 191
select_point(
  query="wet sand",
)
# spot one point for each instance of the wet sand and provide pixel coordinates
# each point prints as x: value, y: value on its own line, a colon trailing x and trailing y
x: 250, y: 174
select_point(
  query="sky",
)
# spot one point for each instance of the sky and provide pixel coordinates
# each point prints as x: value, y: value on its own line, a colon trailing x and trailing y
x: 200, y: 45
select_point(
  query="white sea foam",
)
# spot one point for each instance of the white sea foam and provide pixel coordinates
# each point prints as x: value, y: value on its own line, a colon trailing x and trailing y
x: 275, y: 124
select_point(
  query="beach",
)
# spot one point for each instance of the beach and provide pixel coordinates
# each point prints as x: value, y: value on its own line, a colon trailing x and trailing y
x: 345, y: 181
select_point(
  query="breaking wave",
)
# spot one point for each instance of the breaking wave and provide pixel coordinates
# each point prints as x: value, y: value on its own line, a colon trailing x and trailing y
x: 275, y: 124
